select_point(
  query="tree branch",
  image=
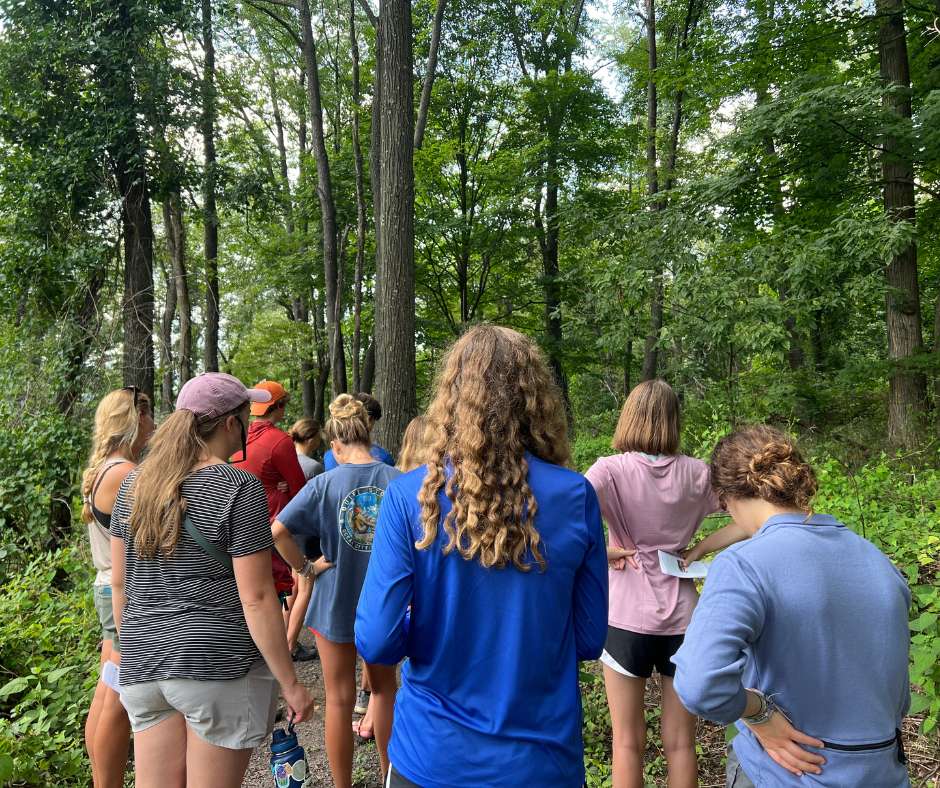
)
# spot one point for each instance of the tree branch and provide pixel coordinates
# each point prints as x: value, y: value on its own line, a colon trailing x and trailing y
x: 422, y: 121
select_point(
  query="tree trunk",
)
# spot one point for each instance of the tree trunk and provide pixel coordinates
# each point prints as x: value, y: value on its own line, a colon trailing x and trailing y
x: 552, y: 315
x: 176, y: 244
x: 327, y: 205
x: 395, y: 275
x: 651, y: 347
x: 137, y: 231
x: 368, y: 368
x: 908, y: 388
x: 211, y: 219
x: 627, y: 368
x: 166, y: 328
x: 375, y: 142
x: 360, y: 205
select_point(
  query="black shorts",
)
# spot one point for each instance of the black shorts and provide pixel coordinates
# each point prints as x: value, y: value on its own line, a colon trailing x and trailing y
x: 637, y: 654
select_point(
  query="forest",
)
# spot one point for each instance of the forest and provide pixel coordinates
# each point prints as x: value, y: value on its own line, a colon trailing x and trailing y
x: 739, y: 196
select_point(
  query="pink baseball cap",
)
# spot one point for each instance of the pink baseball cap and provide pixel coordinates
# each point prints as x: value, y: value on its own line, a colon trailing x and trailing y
x: 213, y: 393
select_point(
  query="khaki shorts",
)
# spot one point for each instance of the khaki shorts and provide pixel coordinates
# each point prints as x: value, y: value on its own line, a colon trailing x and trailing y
x: 106, y: 615
x: 237, y: 714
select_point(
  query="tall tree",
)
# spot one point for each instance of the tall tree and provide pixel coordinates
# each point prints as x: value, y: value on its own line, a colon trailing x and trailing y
x: 210, y: 212
x: 395, y: 274
x: 328, y: 226
x: 908, y: 387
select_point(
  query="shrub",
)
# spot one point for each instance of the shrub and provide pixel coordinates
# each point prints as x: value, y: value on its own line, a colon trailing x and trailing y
x: 48, y: 655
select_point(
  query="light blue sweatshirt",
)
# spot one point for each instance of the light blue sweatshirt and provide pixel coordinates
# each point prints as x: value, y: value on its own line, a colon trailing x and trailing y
x: 489, y: 694
x: 817, y: 616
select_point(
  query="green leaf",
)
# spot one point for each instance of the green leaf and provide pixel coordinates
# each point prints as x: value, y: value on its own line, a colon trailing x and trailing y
x: 918, y: 703
x: 54, y: 675
x: 6, y: 768
x: 13, y: 686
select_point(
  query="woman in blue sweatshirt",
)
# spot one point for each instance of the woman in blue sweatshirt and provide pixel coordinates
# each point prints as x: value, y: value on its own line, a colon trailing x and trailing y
x: 801, y: 634
x: 500, y: 553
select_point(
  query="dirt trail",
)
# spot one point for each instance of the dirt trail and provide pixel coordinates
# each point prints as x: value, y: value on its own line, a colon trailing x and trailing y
x: 310, y: 734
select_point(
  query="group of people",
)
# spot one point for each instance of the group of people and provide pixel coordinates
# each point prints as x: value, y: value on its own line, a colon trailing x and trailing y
x: 480, y: 566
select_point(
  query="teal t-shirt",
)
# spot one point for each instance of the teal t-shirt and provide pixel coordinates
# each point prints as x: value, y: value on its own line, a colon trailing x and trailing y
x: 340, y: 508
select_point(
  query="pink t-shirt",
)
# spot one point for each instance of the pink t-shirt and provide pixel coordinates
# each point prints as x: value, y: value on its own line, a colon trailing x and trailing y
x: 651, y: 504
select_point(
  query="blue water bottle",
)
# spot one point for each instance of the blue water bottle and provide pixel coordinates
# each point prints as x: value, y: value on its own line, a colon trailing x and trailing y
x: 288, y: 761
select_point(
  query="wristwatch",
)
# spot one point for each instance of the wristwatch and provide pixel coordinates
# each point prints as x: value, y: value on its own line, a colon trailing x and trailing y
x: 307, y: 569
x: 764, y: 713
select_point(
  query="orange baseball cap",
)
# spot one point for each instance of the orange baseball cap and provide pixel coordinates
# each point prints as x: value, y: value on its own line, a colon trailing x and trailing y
x: 277, y: 391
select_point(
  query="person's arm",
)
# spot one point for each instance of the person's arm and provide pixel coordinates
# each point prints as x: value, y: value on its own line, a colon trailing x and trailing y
x: 724, y: 537
x: 589, y: 610
x: 266, y: 625
x: 118, y: 596
x: 388, y: 587
x: 249, y: 544
x: 284, y: 459
x: 710, y: 664
x: 286, y: 545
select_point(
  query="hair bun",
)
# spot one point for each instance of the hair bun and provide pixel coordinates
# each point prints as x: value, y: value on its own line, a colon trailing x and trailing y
x: 345, y: 406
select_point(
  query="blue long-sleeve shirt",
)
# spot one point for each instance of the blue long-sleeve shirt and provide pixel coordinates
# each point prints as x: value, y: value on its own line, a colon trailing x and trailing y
x: 489, y: 693
x: 816, y: 615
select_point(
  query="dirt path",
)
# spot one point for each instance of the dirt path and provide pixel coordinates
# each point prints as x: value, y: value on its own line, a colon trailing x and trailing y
x: 310, y: 733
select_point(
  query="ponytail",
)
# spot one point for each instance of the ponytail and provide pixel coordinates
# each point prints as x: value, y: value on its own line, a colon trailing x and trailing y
x: 158, y: 508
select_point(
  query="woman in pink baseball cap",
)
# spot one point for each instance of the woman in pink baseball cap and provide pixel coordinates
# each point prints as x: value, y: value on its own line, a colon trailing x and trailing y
x: 203, y: 641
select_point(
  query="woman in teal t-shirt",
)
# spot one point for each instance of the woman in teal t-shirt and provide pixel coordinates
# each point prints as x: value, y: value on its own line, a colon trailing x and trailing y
x: 340, y: 508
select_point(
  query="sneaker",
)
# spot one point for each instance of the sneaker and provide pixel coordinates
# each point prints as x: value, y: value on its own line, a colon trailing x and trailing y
x: 303, y: 654
x: 362, y: 702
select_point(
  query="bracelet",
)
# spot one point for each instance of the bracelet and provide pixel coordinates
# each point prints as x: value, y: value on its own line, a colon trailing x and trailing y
x: 766, y: 711
x: 307, y: 570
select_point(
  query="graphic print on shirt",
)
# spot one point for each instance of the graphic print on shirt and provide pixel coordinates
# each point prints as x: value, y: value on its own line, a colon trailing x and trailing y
x: 357, y: 515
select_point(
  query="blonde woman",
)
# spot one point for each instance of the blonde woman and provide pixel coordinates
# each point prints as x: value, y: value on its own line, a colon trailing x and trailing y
x: 499, y: 550
x: 203, y: 645
x: 653, y: 498
x: 123, y: 425
x: 340, y: 508
x: 413, y: 445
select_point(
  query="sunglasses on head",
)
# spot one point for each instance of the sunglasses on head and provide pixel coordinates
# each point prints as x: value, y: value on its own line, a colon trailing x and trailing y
x: 137, y: 393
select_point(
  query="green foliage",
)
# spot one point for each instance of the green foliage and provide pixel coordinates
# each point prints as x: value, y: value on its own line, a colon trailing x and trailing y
x: 48, y: 633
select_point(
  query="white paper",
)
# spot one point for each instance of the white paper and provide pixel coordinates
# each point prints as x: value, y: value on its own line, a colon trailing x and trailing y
x: 670, y: 565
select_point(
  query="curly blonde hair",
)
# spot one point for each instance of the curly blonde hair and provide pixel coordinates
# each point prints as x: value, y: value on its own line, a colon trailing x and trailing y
x: 495, y: 399
x: 349, y: 421
x: 762, y: 462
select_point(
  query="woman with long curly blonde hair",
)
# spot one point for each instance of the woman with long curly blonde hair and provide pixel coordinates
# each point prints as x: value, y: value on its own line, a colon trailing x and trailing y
x: 123, y: 425
x: 499, y: 551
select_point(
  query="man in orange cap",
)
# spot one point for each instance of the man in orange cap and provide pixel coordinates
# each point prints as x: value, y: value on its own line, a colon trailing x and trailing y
x: 270, y: 455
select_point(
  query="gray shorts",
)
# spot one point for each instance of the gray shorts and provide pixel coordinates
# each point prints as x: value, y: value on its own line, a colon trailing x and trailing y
x: 734, y: 772
x: 237, y: 714
x: 106, y: 615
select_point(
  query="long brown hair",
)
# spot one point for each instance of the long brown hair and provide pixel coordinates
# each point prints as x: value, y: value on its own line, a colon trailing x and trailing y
x: 413, y: 449
x: 762, y: 462
x: 158, y: 507
x: 117, y: 425
x: 649, y: 421
x: 495, y: 399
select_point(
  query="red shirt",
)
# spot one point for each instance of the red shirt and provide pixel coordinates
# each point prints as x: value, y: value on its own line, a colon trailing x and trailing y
x: 273, y: 459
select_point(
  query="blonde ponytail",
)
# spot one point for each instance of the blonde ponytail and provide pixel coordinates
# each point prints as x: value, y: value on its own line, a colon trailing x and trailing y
x: 158, y: 507
x: 116, y: 427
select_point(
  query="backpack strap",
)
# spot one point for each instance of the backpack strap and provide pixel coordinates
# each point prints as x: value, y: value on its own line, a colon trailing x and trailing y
x: 207, y: 547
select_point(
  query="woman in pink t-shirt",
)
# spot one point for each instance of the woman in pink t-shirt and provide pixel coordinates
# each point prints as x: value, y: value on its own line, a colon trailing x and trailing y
x: 652, y: 498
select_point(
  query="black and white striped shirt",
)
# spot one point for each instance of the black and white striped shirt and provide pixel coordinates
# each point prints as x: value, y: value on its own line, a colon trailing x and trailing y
x: 183, y: 617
